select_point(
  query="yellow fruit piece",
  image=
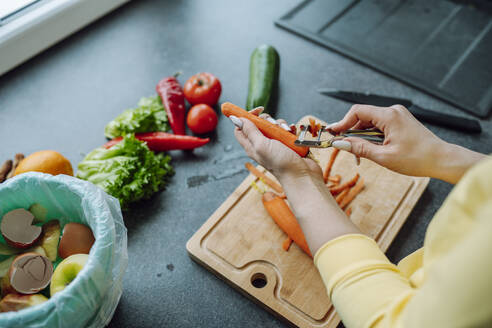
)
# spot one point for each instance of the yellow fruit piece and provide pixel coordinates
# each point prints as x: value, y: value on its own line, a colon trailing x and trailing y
x: 45, y: 161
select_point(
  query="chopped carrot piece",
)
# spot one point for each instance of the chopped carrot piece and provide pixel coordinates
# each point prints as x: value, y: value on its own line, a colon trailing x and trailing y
x: 352, y: 193
x: 335, y: 179
x: 281, y: 213
x: 333, y: 156
x: 348, y: 211
x: 338, y: 189
x: 286, y: 244
x: 275, y: 186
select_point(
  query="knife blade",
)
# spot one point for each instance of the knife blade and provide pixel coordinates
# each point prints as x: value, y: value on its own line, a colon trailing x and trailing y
x: 462, y: 124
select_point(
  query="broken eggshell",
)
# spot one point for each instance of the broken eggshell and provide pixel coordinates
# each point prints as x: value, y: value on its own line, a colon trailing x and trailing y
x: 76, y: 239
x: 30, y: 273
x: 17, y: 228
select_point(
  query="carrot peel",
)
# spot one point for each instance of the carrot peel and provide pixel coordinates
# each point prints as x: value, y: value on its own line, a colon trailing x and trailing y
x: 286, y: 244
x: 263, y: 177
x: 338, y: 189
x: 352, y: 193
x: 333, y: 156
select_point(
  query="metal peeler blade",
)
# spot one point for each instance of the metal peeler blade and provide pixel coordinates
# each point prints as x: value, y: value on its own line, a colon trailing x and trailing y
x: 372, y: 135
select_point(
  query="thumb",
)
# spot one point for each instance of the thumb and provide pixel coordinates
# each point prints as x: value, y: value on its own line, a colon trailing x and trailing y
x: 252, y: 133
x: 359, y: 147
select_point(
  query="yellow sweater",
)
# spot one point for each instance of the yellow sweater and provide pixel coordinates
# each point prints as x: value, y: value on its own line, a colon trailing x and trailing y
x: 447, y: 283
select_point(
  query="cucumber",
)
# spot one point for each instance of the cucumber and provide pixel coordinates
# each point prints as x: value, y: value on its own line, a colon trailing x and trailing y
x: 263, y: 78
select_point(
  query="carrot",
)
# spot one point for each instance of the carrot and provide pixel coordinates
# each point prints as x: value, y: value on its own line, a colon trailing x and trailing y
x: 286, y: 244
x: 262, y: 176
x: 285, y: 219
x: 348, y: 211
x: 342, y: 195
x: 335, y: 179
x: 338, y: 189
x: 352, y: 193
x: 270, y: 130
x: 333, y: 156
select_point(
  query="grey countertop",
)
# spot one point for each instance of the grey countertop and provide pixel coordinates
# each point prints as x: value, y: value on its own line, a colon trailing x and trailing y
x: 63, y: 98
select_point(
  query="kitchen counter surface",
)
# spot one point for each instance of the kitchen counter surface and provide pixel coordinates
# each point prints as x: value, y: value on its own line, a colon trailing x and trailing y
x: 63, y: 98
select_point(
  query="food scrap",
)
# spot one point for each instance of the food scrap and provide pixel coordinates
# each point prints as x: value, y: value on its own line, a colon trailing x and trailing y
x: 25, y: 275
x: 313, y: 127
x: 326, y: 173
x: 272, y: 184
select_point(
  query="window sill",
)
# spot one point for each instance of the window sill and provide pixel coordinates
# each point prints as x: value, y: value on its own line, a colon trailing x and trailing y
x: 45, y: 25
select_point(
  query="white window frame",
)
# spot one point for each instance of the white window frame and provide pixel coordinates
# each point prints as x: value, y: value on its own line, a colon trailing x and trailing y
x: 48, y: 22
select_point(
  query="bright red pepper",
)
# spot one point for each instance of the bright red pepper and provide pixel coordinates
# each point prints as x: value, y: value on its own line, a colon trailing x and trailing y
x: 162, y: 141
x: 173, y: 99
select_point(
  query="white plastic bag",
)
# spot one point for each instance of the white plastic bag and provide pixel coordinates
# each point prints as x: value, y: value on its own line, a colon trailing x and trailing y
x: 89, y: 300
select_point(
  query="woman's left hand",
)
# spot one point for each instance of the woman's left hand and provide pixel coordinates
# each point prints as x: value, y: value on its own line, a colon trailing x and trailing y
x: 272, y: 154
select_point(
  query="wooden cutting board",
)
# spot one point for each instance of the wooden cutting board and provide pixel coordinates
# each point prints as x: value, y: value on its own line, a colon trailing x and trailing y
x: 242, y: 245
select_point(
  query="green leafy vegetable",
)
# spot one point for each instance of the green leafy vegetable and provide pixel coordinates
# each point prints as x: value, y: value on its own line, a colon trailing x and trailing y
x: 128, y: 171
x: 149, y: 116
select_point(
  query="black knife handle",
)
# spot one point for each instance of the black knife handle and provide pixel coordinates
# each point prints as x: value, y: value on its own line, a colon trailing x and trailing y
x: 450, y: 121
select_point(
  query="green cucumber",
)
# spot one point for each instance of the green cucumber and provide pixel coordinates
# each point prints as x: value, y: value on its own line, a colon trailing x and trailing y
x: 263, y: 78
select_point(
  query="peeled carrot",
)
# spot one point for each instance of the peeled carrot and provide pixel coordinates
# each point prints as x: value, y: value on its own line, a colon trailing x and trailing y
x: 341, y: 196
x: 270, y: 130
x: 333, y: 156
x: 286, y: 244
x: 285, y: 219
x: 338, y: 189
x: 257, y: 173
x: 352, y: 193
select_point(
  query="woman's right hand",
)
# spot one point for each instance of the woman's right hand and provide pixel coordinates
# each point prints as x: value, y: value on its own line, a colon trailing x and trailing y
x: 409, y: 147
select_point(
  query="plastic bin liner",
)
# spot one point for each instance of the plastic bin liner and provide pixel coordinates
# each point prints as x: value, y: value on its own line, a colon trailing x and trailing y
x: 91, y: 299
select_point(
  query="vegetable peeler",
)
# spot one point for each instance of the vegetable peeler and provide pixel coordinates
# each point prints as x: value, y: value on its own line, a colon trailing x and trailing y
x: 372, y: 135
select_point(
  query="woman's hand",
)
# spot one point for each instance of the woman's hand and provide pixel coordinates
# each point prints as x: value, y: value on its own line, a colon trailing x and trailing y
x: 319, y: 215
x: 409, y: 147
x: 277, y: 158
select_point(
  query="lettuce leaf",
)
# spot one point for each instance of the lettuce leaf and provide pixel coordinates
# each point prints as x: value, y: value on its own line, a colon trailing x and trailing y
x: 128, y: 171
x: 149, y: 116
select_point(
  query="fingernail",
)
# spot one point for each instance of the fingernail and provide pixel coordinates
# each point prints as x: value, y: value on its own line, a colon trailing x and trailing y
x: 285, y: 126
x: 237, y: 122
x: 259, y: 107
x: 342, y: 145
x: 271, y: 120
x: 329, y: 126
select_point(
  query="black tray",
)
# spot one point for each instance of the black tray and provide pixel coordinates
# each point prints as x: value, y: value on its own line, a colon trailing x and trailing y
x: 441, y: 47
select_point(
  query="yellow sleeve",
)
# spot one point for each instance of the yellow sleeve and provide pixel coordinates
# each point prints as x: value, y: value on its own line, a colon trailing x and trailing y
x: 364, y: 286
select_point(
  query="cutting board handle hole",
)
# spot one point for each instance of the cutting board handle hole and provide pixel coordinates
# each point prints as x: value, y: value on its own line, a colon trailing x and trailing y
x: 258, y: 280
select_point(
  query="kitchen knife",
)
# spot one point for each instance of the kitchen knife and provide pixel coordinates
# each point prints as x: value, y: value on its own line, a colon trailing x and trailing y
x: 450, y: 121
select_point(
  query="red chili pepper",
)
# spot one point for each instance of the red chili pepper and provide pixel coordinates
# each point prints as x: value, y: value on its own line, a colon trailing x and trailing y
x: 162, y: 141
x: 173, y: 99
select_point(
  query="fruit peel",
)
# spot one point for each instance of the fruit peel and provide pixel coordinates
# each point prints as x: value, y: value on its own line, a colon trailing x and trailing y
x: 50, y: 239
x: 16, y: 302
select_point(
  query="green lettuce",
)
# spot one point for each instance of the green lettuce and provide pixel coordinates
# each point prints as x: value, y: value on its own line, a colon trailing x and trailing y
x: 128, y: 171
x: 149, y: 116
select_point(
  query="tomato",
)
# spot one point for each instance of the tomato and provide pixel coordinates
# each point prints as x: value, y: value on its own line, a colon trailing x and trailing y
x: 202, y: 88
x: 201, y: 119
